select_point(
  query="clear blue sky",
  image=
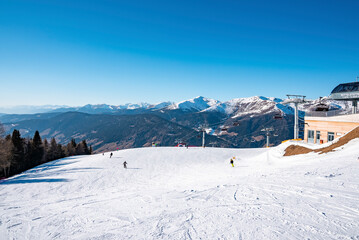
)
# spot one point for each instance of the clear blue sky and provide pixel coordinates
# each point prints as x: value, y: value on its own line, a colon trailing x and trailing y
x: 112, y: 51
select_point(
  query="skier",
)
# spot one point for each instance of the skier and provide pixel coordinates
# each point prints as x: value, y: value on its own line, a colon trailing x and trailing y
x: 111, y: 155
x: 232, y: 161
x: 125, y: 164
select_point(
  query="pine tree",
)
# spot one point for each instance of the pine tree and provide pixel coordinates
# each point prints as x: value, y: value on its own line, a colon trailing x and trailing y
x: 73, y: 143
x: 37, y: 148
x: 86, y: 149
x: 5, y: 157
x: 60, y: 151
x: 5, y: 150
x: 17, y: 152
x: 46, y: 150
x: 52, y: 153
x: 71, y: 148
x: 80, y: 149
x: 29, y: 161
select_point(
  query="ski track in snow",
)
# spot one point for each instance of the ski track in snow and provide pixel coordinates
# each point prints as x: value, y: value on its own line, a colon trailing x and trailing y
x: 179, y: 193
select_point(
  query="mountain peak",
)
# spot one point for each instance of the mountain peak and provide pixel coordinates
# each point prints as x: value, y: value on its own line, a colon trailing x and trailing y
x: 198, y: 103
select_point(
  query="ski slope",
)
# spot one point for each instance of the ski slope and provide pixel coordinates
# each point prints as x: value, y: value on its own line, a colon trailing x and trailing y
x: 179, y: 193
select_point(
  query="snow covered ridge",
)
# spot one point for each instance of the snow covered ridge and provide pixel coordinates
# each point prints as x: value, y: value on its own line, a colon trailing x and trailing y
x: 237, y: 106
x: 197, y: 104
x: 179, y: 193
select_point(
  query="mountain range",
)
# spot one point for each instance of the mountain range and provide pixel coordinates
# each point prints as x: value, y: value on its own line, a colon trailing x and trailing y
x: 234, y: 123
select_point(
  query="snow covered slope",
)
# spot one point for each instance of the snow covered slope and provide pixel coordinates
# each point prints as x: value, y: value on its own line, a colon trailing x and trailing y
x: 179, y: 193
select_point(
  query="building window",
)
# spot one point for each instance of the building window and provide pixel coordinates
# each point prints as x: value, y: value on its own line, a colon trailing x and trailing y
x: 330, y: 136
x: 317, y: 137
x: 310, y: 136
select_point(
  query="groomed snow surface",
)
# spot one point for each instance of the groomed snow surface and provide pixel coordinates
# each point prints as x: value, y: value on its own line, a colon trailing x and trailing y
x: 179, y: 193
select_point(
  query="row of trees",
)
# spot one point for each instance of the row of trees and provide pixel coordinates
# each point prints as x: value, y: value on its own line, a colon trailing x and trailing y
x: 18, y: 154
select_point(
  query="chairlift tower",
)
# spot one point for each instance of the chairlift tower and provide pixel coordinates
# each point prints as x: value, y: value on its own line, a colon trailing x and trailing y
x: 203, y: 130
x: 296, y: 99
x: 267, y: 130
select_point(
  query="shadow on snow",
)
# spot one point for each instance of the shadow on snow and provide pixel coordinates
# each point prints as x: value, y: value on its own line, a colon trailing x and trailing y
x: 31, y: 180
x: 46, y: 173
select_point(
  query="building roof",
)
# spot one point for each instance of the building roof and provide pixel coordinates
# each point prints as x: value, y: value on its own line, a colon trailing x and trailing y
x: 346, y: 91
x: 354, y: 118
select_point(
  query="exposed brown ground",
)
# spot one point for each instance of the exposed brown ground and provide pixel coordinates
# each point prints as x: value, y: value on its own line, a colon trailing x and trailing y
x: 296, y: 150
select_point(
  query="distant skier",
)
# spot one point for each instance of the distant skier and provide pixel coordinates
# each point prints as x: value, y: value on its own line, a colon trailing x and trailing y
x: 125, y: 164
x: 232, y: 161
x: 111, y: 155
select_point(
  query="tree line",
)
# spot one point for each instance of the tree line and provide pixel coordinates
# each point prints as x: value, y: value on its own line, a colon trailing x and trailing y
x: 19, y: 154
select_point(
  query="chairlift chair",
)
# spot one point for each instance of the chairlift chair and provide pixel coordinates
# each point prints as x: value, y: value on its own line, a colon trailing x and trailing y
x: 236, y: 123
x: 278, y: 115
x: 321, y: 107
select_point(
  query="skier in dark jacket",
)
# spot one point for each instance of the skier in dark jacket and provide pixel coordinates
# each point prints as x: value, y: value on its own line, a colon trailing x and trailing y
x: 111, y: 155
x: 125, y: 164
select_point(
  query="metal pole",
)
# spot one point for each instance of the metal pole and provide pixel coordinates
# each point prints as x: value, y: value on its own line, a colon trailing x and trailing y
x: 355, y: 106
x: 267, y: 130
x: 203, y: 140
x: 296, y: 130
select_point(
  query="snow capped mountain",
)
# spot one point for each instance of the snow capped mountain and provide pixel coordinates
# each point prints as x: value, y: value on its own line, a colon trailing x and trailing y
x: 253, y: 105
x: 240, y: 117
x: 131, y: 106
x: 262, y: 105
x: 196, y: 104
x: 236, y: 107
x: 160, y: 105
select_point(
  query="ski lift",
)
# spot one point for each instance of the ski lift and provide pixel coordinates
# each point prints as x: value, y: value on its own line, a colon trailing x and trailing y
x: 321, y: 107
x: 278, y: 115
x: 236, y: 123
x: 224, y: 129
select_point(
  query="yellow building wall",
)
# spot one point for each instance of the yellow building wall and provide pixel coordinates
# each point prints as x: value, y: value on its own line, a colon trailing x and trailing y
x: 339, y: 128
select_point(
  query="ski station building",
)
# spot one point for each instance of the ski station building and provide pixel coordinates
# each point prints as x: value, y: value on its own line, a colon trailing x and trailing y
x: 325, y: 126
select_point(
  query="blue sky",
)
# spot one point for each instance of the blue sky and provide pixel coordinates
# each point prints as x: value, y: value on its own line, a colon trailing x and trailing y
x: 78, y: 52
